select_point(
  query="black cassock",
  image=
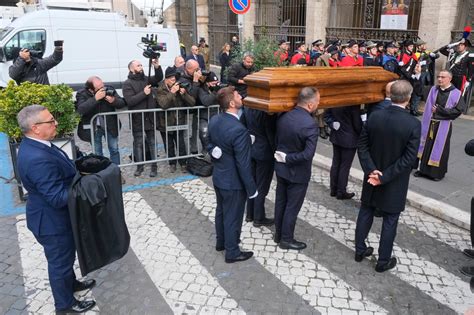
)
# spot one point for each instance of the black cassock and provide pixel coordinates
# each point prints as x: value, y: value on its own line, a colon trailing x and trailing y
x: 97, y: 213
x: 441, y: 113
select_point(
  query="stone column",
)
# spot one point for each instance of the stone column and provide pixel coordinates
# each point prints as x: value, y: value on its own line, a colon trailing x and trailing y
x: 437, y: 19
x: 249, y: 19
x: 202, y: 19
x: 317, y: 19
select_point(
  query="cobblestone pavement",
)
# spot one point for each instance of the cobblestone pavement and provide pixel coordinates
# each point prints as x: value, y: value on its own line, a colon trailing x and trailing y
x: 172, y: 266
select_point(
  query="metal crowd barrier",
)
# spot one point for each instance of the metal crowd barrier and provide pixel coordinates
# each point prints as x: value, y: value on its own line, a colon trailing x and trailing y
x: 187, y: 119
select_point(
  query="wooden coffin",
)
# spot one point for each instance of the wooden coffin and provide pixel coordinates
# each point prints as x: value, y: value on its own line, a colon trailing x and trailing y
x: 276, y: 89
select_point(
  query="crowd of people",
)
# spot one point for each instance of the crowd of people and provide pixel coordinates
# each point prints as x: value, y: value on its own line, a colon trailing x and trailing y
x: 247, y: 147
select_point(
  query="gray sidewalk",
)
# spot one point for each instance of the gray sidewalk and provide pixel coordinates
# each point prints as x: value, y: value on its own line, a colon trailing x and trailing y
x: 449, y: 198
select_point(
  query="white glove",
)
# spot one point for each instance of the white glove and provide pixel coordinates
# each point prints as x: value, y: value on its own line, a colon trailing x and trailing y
x: 252, y: 139
x: 336, y: 125
x: 280, y: 156
x: 432, y: 55
x: 423, y: 63
x: 254, y: 195
x: 216, y: 152
x: 363, y: 117
x: 466, y: 85
x: 401, y: 63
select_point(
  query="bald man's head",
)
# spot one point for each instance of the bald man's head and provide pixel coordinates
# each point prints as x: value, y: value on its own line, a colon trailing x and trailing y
x: 387, y: 88
x: 191, y: 66
x: 135, y: 66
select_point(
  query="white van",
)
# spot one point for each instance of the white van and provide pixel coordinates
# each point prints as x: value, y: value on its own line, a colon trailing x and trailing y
x: 95, y: 43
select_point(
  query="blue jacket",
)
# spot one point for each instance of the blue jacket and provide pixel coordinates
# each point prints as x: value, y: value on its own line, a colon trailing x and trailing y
x: 47, y: 175
x: 351, y: 125
x: 297, y: 136
x: 232, y: 171
x: 200, y: 60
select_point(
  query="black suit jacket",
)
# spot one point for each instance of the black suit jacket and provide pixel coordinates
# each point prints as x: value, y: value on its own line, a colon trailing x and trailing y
x: 263, y: 127
x: 232, y: 171
x: 389, y: 143
x: 297, y: 136
x: 351, y: 125
x: 199, y: 59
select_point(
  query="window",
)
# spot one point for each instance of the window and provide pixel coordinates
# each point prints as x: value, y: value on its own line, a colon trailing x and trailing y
x: 34, y: 40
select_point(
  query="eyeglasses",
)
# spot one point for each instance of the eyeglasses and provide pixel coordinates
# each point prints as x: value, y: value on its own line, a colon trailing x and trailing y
x: 52, y: 121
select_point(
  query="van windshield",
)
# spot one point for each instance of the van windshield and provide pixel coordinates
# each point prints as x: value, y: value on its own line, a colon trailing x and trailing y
x: 4, y: 32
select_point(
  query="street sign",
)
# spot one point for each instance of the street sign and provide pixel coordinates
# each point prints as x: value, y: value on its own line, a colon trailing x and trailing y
x: 239, y: 6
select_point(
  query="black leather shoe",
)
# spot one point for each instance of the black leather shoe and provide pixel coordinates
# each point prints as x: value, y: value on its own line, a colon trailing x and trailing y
x: 78, y: 307
x: 333, y: 193
x: 292, y: 245
x: 248, y: 219
x: 242, y: 257
x: 264, y: 222
x: 469, y: 253
x: 84, y: 285
x: 138, y: 172
x: 467, y: 271
x: 220, y: 248
x: 390, y: 265
x: 418, y: 174
x: 153, y: 173
x: 277, y: 238
x: 369, y: 251
x: 345, y: 195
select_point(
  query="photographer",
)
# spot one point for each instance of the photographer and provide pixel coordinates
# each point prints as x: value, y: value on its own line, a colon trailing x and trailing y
x: 94, y: 98
x: 191, y: 79
x: 207, y: 96
x: 137, y: 94
x: 29, y: 68
x: 170, y: 94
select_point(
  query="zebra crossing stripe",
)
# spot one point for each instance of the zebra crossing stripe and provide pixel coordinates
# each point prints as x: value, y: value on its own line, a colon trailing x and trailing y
x: 35, y: 274
x: 314, y: 283
x: 185, y: 285
x: 424, y: 275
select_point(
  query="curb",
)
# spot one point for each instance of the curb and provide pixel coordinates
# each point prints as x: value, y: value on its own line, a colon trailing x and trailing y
x: 428, y: 205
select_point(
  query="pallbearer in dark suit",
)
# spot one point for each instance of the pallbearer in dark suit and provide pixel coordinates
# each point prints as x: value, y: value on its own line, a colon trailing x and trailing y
x: 229, y: 144
x: 261, y: 127
x: 296, y: 138
x: 46, y: 172
x: 387, y: 151
x: 346, y: 125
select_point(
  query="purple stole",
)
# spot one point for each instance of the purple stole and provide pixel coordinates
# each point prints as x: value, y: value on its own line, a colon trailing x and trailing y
x: 442, y: 134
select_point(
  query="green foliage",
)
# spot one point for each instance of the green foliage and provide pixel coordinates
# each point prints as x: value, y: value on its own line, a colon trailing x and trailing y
x: 264, y: 51
x: 57, y: 98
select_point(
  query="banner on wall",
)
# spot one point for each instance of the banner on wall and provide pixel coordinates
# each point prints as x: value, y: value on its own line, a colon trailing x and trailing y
x: 395, y: 14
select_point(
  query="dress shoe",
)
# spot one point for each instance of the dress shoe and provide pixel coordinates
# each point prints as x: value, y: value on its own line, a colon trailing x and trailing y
x: 435, y: 179
x: 153, y: 172
x: 390, y: 265
x: 248, y: 219
x: 219, y: 248
x: 78, y: 307
x: 264, y: 222
x: 469, y: 253
x: 467, y: 271
x: 277, y: 238
x: 138, y: 172
x: 184, y: 169
x: 369, y: 251
x: 84, y: 285
x: 242, y: 257
x: 345, y: 195
x: 172, y: 168
x: 333, y: 193
x: 418, y: 174
x: 292, y: 245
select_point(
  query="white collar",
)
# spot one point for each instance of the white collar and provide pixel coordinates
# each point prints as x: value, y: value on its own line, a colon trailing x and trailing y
x: 398, y: 105
x: 445, y: 88
x: 48, y: 143
x: 235, y: 115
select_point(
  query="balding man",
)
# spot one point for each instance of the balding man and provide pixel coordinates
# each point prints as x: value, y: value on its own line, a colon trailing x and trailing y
x: 238, y: 71
x: 197, y: 57
x: 383, y: 104
x: 91, y: 100
x: 137, y: 94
